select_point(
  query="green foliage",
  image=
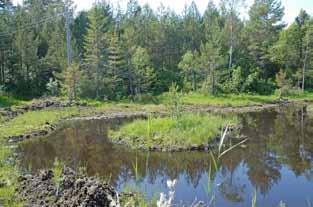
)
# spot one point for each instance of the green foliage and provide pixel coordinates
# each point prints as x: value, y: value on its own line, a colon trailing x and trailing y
x: 282, y: 83
x: 57, y: 171
x: 8, y: 101
x: 188, y: 67
x: 142, y: 51
x: 53, y: 87
x: 235, y: 83
x: 209, y: 59
x: 36, y: 120
x: 188, y: 130
x: 143, y: 75
x: 262, y: 32
x: 71, y: 81
x: 138, y: 200
x: 175, y: 104
x: 8, y: 178
x: 95, y: 54
x: 220, y: 100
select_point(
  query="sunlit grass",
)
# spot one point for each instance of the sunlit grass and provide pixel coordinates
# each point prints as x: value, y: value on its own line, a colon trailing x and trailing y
x: 234, y: 99
x: 166, y: 132
x: 8, y: 179
x: 222, y: 100
x: 36, y: 120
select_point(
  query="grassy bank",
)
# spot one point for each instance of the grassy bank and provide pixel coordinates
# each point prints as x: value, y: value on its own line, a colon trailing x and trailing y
x: 8, y: 101
x: 167, y: 132
x: 8, y: 178
x: 234, y: 100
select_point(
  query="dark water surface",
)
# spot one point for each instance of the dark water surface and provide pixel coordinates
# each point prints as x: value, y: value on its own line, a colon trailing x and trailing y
x: 276, y: 163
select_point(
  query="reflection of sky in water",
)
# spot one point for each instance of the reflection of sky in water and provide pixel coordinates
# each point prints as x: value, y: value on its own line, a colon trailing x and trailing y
x: 277, y: 162
x: 295, y: 191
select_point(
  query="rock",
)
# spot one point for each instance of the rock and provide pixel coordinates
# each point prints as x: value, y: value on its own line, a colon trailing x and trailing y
x: 194, y: 147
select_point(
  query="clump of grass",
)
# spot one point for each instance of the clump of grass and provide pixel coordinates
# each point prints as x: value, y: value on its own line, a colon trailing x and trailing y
x: 57, y: 172
x: 166, y: 132
x: 8, y: 179
x: 136, y: 198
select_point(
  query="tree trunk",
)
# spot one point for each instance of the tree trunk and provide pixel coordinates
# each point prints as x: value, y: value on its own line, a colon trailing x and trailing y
x: 231, y: 42
x: 97, y: 66
x: 2, y: 68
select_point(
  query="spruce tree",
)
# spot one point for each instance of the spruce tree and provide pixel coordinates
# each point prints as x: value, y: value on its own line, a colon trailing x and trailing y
x: 143, y: 72
x: 95, y: 47
x: 209, y: 59
x: 117, y: 66
x: 263, y: 29
x: 188, y: 66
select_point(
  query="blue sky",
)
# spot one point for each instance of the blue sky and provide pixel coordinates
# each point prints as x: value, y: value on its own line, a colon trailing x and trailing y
x: 292, y: 7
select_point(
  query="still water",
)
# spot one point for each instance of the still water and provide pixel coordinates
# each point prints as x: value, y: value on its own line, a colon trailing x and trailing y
x: 276, y: 162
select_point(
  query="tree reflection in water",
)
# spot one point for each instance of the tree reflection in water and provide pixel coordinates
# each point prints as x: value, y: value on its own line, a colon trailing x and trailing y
x: 278, y: 138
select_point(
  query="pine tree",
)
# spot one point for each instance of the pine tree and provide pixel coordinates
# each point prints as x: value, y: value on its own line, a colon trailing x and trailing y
x: 209, y: 59
x: 232, y: 10
x: 308, y: 52
x: 211, y: 24
x: 289, y: 50
x: 95, y: 46
x: 192, y: 27
x: 188, y: 66
x: 117, y: 65
x: 263, y: 29
x: 143, y: 73
x: 5, y: 40
x: 70, y: 84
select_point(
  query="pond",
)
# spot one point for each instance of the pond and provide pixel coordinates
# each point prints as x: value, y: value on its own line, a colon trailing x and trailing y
x: 276, y: 163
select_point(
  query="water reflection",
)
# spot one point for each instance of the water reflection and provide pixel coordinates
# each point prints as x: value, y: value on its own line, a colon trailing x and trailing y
x: 276, y: 162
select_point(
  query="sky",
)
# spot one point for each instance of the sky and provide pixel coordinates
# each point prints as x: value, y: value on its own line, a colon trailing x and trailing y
x: 292, y: 7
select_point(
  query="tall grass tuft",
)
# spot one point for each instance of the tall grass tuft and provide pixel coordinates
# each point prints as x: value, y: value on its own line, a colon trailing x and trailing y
x: 149, y: 127
x: 175, y: 102
x: 57, y: 172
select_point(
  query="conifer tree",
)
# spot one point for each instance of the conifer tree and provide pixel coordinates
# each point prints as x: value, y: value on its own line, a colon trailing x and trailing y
x: 143, y: 72
x: 117, y: 65
x: 263, y: 29
x: 95, y: 47
x: 188, y: 66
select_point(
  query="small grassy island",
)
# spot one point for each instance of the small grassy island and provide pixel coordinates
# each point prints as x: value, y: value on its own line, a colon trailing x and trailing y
x: 173, y: 133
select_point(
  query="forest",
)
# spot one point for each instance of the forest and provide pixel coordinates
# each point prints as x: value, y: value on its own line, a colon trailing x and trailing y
x: 107, y: 53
